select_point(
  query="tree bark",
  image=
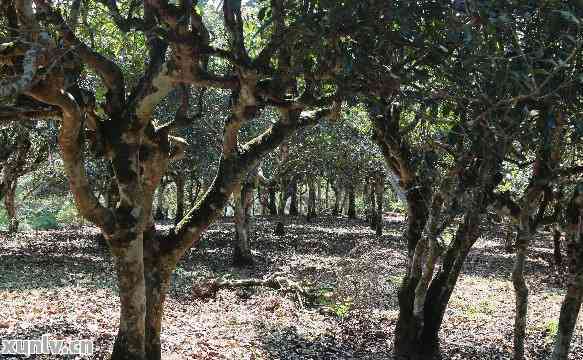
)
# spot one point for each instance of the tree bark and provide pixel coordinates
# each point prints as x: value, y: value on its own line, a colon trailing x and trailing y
x: 407, y: 329
x: 520, y: 291
x: 526, y: 229
x: 293, y: 208
x: 10, y: 204
x: 351, y: 211
x: 272, y: 202
x: 326, y: 203
x: 130, y: 343
x: 440, y: 291
x: 158, y: 271
x: 379, y: 191
x: 338, y: 199
x: 318, y: 197
x: 368, y: 195
x: 572, y: 302
x: 548, y: 157
x: 241, y: 250
x: 421, y: 311
x: 557, y: 253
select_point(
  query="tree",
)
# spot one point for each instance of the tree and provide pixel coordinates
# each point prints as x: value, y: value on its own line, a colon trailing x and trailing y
x: 139, y: 152
x: 19, y: 156
x: 572, y: 301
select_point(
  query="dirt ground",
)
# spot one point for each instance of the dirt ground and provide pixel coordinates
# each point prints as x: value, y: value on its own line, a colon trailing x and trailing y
x: 61, y: 283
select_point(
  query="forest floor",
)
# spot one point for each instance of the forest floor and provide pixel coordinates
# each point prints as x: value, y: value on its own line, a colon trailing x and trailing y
x: 61, y: 283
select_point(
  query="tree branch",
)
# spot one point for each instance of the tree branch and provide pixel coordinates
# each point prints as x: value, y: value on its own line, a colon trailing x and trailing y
x: 109, y: 72
x: 72, y: 153
x: 188, y: 232
x: 25, y: 81
x: 234, y: 24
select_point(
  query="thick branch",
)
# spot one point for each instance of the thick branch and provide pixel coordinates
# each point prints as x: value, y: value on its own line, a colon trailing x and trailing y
x: 107, y: 69
x: 72, y: 153
x: 25, y: 81
x: 234, y: 24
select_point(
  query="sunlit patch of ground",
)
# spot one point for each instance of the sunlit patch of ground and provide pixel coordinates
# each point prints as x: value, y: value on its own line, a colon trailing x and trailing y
x: 61, y: 283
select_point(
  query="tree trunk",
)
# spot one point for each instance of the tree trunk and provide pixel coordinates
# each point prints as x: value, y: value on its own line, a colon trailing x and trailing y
x: 338, y: 200
x: 128, y: 253
x: 197, y: 191
x: 10, y: 204
x: 407, y: 329
x: 438, y: 296
x: 568, y: 320
x: 372, y: 207
x: 311, y: 200
x: 157, y: 278
x: 301, y: 202
x: 282, y: 197
x: 508, y: 241
x: 379, y: 191
x: 272, y: 202
x: 557, y: 253
x: 242, y: 255
x: 369, y: 201
x: 520, y: 290
x: 293, y: 208
x: 526, y: 229
x: 327, y: 194
x: 318, y: 197
x: 421, y: 311
x: 351, y: 212
x: 572, y: 301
